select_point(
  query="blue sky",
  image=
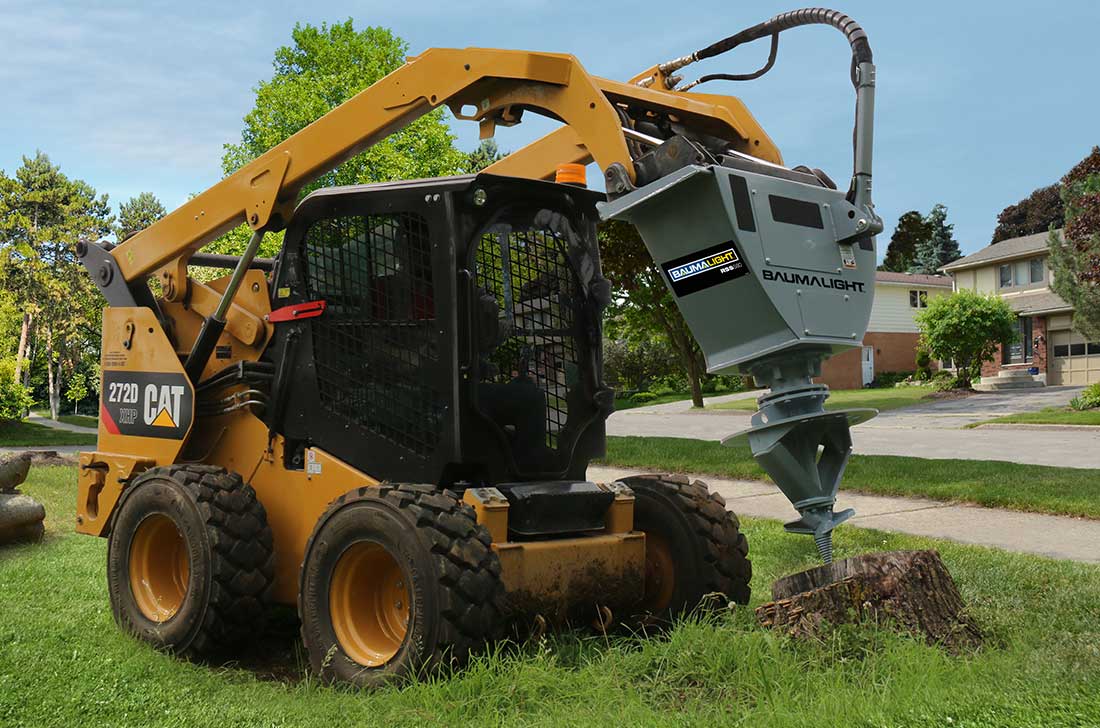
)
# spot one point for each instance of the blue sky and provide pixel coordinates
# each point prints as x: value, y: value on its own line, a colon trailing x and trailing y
x: 978, y: 102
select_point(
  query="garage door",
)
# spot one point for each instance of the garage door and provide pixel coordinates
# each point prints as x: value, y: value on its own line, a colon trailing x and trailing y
x: 1074, y: 360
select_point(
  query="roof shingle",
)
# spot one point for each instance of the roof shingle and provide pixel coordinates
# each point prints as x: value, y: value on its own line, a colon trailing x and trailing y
x: 1004, y: 250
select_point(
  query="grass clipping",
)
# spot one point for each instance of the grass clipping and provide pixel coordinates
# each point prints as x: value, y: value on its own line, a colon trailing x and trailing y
x: 912, y: 590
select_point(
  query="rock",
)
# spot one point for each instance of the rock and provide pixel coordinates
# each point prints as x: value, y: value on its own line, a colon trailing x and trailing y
x: 20, y: 518
x: 910, y: 589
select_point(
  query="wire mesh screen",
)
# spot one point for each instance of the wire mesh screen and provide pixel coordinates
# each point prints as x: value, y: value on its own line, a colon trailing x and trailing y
x: 376, y: 348
x: 529, y: 275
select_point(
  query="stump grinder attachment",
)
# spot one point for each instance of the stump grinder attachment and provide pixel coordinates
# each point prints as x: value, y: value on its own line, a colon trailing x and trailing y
x: 773, y: 270
x: 389, y: 424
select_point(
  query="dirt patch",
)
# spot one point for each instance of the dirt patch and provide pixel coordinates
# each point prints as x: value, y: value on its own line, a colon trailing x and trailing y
x: 51, y: 457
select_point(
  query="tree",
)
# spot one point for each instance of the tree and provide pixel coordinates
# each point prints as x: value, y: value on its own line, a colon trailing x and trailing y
x: 138, y: 213
x: 940, y: 248
x: 966, y: 328
x: 486, y: 153
x: 321, y: 69
x: 1075, y: 262
x: 45, y: 214
x: 15, y: 400
x: 911, y: 232
x: 643, y: 304
x: 1037, y: 213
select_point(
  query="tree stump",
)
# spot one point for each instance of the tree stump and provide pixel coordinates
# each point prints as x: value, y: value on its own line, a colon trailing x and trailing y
x: 21, y: 516
x: 910, y: 589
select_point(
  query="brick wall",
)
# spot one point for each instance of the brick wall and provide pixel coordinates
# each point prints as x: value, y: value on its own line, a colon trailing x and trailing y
x: 894, y: 352
x: 1038, y: 353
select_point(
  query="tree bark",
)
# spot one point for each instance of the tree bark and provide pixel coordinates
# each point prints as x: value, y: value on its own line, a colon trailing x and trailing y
x: 912, y: 590
x: 22, y: 351
x: 21, y: 518
x: 53, y: 379
x: 693, y: 379
x: 13, y: 472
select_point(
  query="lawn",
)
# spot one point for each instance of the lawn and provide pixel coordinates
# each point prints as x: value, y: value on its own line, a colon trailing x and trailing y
x: 625, y: 403
x: 63, y: 663
x: 17, y: 434
x: 1038, y: 488
x: 887, y: 398
x: 1048, y: 416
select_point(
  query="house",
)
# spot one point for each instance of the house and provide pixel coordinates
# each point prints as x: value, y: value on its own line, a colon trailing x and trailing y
x: 890, y: 343
x: 1045, y: 349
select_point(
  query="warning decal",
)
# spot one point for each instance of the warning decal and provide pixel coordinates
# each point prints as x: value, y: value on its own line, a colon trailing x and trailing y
x: 705, y: 268
x: 147, y: 404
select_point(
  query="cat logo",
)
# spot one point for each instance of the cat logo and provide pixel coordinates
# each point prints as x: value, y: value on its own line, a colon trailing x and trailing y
x: 147, y: 404
x: 162, y: 404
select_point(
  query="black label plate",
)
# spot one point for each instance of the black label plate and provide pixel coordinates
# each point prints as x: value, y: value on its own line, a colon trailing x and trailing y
x: 704, y: 268
x: 147, y: 404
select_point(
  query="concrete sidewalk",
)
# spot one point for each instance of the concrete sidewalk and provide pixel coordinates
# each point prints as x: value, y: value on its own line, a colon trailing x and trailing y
x: 1056, y: 537
x: 47, y: 422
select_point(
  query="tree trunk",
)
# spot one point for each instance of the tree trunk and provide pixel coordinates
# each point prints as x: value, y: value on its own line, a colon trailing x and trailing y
x: 13, y: 472
x: 910, y: 589
x: 20, y: 518
x: 53, y: 379
x: 693, y: 380
x: 20, y: 354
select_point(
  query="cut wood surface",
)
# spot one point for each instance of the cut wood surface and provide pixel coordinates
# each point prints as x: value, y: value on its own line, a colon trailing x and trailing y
x: 910, y: 589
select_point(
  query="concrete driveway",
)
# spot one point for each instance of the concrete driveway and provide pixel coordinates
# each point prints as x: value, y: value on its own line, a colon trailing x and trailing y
x: 930, y: 430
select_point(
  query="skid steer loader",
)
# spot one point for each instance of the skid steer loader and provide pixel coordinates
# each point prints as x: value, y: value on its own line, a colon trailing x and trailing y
x: 389, y: 424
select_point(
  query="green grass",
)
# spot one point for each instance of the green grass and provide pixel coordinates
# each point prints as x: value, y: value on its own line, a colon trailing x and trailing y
x: 1048, y: 416
x: 63, y: 662
x: 1038, y: 488
x: 881, y: 399
x: 17, y: 434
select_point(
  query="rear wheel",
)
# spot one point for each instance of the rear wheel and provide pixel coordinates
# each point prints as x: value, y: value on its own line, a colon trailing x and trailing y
x: 397, y: 580
x: 190, y: 560
x: 694, y: 546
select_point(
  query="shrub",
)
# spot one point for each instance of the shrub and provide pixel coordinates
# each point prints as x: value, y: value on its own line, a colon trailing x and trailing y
x: 642, y: 397
x: 15, y: 399
x: 966, y: 328
x: 924, y: 364
x: 630, y: 365
x: 943, y: 381
x: 1088, y: 399
x: 890, y: 379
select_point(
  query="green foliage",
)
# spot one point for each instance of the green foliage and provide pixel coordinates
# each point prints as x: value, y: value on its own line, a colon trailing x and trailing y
x: 1037, y: 213
x: 943, y: 381
x: 643, y: 397
x: 924, y: 363
x: 15, y: 399
x: 911, y: 232
x: 1075, y: 262
x: 966, y: 327
x: 642, y: 307
x: 486, y: 153
x: 138, y: 213
x: 636, y: 365
x: 1089, y: 398
x: 890, y: 379
x: 43, y: 215
x: 940, y: 248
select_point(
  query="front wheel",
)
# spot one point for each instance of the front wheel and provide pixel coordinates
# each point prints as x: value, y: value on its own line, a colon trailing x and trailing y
x: 190, y: 560
x: 694, y: 546
x: 397, y: 580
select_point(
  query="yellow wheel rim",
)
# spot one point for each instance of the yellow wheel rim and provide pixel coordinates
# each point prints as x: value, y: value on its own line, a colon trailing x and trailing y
x: 369, y: 604
x: 160, y: 568
x: 660, y: 573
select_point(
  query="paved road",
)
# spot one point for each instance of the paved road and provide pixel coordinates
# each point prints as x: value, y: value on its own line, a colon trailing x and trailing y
x: 931, y: 430
x: 1058, y: 537
x: 40, y: 420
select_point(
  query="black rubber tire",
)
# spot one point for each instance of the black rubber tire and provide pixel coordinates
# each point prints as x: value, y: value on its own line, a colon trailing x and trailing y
x: 456, y: 588
x: 231, y: 557
x: 708, y: 551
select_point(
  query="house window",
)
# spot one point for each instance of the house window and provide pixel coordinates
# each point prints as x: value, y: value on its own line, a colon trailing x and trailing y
x: 918, y: 299
x: 1036, y: 270
x: 1006, y: 276
x: 1061, y: 350
x: 1019, y: 350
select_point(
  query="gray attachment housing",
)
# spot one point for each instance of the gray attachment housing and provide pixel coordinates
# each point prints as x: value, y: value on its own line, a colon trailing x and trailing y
x: 773, y: 272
